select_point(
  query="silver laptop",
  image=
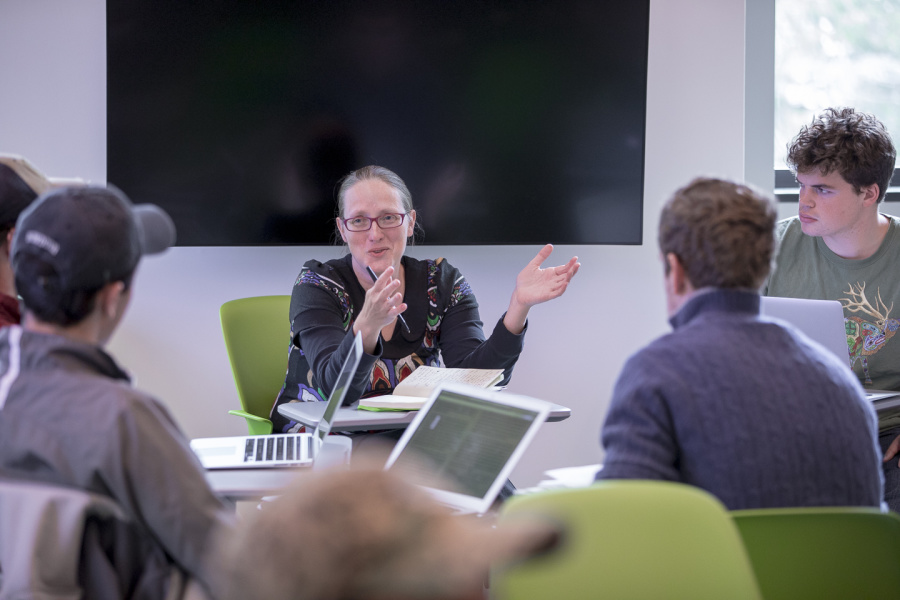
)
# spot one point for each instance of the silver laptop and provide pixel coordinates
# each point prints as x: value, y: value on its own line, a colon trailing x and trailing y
x: 822, y: 321
x: 465, y: 441
x: 280, y: 450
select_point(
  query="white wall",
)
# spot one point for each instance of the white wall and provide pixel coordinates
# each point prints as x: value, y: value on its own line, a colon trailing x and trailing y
x: 52, y: 110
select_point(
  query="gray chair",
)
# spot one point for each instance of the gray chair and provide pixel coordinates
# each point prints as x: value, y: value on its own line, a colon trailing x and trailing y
x: 62, y: 543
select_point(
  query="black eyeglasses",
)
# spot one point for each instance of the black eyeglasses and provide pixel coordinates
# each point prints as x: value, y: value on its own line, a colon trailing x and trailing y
x: 385, y: 221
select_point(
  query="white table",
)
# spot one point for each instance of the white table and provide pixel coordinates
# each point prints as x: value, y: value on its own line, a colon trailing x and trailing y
x: 884, y: 401
x: 349, y: 418
x: 251, y: 484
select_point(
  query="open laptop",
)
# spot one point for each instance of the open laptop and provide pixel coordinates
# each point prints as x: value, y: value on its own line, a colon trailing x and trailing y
x: 822, y: 321
x: 465, y: 441
x: 285, y: 449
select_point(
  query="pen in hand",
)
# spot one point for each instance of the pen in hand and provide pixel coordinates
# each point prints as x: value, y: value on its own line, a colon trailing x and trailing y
x: 375, y: 278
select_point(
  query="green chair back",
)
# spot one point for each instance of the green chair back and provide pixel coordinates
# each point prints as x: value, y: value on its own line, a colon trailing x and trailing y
x: 257, y: 337
x: 806, y: 553
x: 630, y: 539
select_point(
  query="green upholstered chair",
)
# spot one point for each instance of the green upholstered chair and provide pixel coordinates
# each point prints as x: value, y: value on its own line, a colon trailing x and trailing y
x: 257, y: 334
x: 630, y: 539
x: 821, y: 553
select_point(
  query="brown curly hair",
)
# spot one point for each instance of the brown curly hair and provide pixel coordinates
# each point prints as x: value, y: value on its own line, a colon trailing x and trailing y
x: 722, y: 232
x: 856, y: 145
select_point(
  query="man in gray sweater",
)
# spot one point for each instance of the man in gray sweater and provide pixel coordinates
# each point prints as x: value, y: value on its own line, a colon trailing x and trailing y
x: 745, y: 407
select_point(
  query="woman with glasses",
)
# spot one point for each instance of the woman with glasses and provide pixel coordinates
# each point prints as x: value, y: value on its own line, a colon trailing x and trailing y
x: 410, y: 312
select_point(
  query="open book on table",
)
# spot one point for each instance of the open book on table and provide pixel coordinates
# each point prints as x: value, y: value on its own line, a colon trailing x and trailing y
x: 412, y: 392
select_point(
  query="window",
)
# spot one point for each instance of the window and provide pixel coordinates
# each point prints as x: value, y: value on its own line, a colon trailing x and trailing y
x: 834, y: 53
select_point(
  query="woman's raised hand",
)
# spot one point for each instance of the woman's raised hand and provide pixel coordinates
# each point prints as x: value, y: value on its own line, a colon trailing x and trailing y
x: 382, y: 305
x: 535, y: 285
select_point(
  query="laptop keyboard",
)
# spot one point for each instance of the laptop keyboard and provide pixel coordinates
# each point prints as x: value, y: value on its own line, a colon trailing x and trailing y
x: 278, y: 448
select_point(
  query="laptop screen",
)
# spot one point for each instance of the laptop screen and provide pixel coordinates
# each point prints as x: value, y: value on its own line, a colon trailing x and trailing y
x: 336, y: 399
x: 302, y: 449
x: 821, y: 320
x: 466, y: 441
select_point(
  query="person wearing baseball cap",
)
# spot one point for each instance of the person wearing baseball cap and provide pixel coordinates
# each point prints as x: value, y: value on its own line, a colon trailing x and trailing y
x: 20, y: 185
x: 68, y: 413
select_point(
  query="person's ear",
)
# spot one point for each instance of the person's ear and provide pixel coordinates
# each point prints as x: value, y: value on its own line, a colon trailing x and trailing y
x: 411, y: 228
x: 340, y: 226
x: 110, y: 297
x: 676, y: 273
x: 871, y: 194
x: 7, y: 244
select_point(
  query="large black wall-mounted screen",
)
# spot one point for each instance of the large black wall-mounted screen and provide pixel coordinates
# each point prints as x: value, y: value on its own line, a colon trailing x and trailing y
x: 512, y: 122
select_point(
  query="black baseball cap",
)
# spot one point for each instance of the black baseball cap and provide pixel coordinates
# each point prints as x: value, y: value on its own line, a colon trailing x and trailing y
x: 91, y: 235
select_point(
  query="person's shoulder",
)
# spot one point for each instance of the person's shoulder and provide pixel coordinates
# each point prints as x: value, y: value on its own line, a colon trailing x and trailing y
x: 443, y: 267
x: 9, y: 310
x: 120, y: 395
x: 652, y: 373
x: 437, y: 271
x: 791, y: 240
x: 788, y: 228
x: 452, y: 279
x: 445, y: 284
x: 894, y: 223
x: 109, y: 407
x: 694, y: 340
x: 654, y: 357
x: 328, y: 266
x: 135, y: 412
x: 434, y: 264
x: 324, y: 274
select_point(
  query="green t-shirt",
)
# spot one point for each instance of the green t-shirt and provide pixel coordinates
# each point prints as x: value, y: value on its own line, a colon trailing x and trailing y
x: 869, y: 290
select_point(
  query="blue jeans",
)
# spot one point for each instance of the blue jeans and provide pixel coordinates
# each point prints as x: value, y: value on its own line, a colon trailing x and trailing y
x: 891, y: 470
